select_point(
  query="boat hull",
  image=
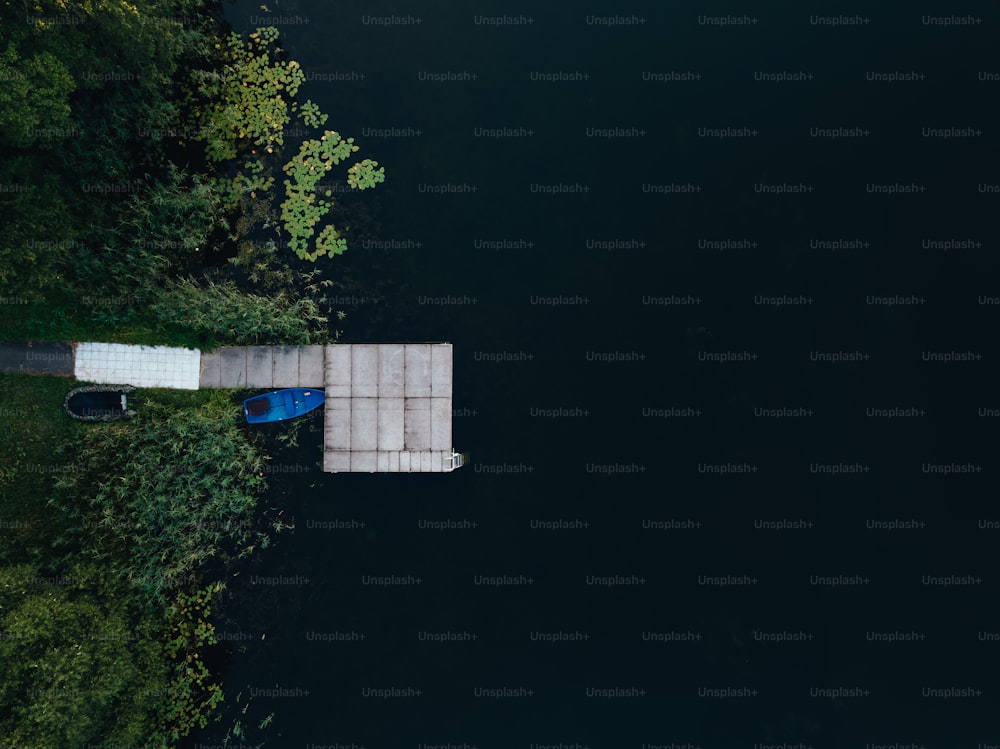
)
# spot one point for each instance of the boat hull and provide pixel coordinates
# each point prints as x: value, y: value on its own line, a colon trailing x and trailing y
x: 282, y: 405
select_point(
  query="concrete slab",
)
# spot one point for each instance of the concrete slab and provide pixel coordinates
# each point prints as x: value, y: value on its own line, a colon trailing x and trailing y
x: 364, y: 370
x: 364, y: 424
x: 234, y: 367
x: 338, y: 371
x: 285, y: 367
x: 417, y: 378
x: 364, y: 461
x: 337, y: 461
x: 211, y: 371
x: 441, y: 370
x: 391, y: 369
x: 440, y: 424
x: 388, y: 407
x: 390, y: 424
x: 337, y: 424
x: 311, y: 365
x: 142, y: 366
x: 417, y: 425
x: 259, y: 364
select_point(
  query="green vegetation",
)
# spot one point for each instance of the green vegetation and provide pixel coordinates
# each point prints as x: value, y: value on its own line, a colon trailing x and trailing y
x: 106, y: 643
x: 243, y: 112
x: 138, y: 154
x: 250, y: 99
x: 34, y: 421
x: 191, y: 695
x: 238, y: 317
x: 150, y: 161
x: 301, y: 211
x: 157, y: 497
x: 75, y: 666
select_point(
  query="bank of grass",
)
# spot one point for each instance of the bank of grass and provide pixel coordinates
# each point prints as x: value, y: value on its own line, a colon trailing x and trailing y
x: 70, y: 317
x: 34, y: 424
x: 66, y: 490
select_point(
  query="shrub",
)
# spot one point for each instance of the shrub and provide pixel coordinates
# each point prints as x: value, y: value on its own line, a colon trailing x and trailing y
x: 157, y: 497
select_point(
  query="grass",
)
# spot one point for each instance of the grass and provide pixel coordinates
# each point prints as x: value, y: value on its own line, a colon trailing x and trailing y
x: 67, y: 317
x: 34, y: 424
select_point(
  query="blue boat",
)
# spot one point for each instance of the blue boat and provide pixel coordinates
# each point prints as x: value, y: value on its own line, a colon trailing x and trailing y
x: 282, y: 405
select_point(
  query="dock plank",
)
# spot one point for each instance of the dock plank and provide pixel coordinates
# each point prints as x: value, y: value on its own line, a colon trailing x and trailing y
x: 337, y: 461
x: 441, y: 370
x: 259, y: 366
x: 417, y: 379
x: 210, y: 375
x: 364, y: 461
x: 364, y: 424
x: 391, y: 370
x: 311, y: 367
x: 234, y: 366
x: 338, y: 371
x: 390, y: 424
x: 337, y: 424
x: 285, y: 367
x: 440, y: 426
x: 364, y: 370
x: 417, y: 424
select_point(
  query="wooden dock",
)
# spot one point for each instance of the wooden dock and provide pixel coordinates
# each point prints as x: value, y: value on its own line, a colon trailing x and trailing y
x: 388, y: 405
x: 263, y: 367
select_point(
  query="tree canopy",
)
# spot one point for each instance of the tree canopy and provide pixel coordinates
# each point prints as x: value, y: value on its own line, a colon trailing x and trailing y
x: 73, y: 667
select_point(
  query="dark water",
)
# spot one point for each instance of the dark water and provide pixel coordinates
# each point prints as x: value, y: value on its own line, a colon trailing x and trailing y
x: 588, y: 388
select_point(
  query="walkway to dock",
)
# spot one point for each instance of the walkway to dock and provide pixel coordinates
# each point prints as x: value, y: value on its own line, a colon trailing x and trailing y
x: 388, y: 405
x: 264, y: 367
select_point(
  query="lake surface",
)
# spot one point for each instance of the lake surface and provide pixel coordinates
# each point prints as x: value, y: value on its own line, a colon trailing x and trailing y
x: 723, y: 296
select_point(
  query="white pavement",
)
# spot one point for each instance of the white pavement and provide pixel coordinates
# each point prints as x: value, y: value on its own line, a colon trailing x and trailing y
x: 141, y: 366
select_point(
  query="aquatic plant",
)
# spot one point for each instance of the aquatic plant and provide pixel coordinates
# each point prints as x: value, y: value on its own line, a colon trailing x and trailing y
x: 191, y: 695
x: 365, y: 174
x: 311, y: 114
x: 248, y: 102
x: 301, y: 211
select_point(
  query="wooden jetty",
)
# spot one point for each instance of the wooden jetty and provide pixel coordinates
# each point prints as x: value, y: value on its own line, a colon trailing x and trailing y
x: 388, y: 405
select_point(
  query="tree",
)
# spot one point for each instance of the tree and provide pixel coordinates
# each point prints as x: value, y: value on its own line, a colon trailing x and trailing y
x: 74, y: 667
x: 34, y: 97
